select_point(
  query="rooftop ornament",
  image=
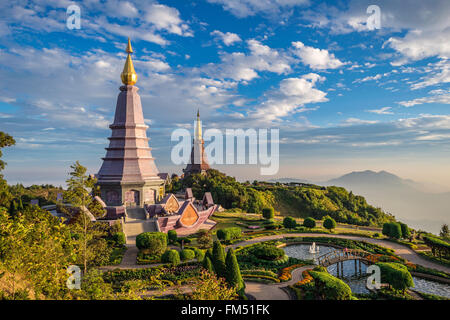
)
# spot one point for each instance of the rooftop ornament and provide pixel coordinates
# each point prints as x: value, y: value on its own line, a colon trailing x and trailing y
x: 129, y: 76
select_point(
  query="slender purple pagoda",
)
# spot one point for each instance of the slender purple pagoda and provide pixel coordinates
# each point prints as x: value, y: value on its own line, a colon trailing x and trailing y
x: 128, y: 175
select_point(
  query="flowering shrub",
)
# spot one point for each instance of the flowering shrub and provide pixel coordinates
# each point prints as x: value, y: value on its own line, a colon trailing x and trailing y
x: 307, y: 278
x: 286, y: 275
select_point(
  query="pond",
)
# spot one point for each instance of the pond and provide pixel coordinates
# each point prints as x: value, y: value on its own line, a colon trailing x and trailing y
x: 358, y: 283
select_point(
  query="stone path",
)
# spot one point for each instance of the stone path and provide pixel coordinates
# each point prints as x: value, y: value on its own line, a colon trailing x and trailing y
x: 261, y: 291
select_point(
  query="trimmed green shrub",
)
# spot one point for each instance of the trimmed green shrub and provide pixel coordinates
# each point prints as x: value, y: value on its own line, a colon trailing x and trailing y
x: 309, y: 223
x: 289, y: 223
x: 392, y: 230
x: 327, y: 287
x: 184, y: 240
x: 199, y: 254
x: 396, y: 230
x: 406, y: 233
x: 386, y: 229
x: 329, y: 223
x: 119, y: 238
x: 172, y: 235
x: 218, y: 259
x: 228, y: 234
x: 152, y: 242
x: 207, y: 264
x: 267, y: 252
x: 396, y: 274
x: 187, y: 254
x: 273, y: 225
x: 171, y: 256
x: 268, y: 213
x: 233, y: 275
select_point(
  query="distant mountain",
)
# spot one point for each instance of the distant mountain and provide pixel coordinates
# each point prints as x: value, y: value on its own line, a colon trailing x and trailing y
x: 288, y: 180
x: 406, y: 199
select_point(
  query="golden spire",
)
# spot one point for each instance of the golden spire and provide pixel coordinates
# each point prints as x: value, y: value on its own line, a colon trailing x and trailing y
x: 129, y: 76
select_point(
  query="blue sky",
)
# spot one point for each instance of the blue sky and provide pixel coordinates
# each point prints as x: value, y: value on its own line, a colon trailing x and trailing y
x: 344, y: 97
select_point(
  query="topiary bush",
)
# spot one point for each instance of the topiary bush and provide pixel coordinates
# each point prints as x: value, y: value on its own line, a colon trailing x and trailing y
x: 187, y: 254
x: 268, y: 213
x: 309, y: 223
x: 228, y: 234
x: 119, y: 238
x: 267, y: 252
x: 329, y: 223
x: 396, y: 274
x: 152, y: 242
x: 289, y: 223
x: 327, y: 287
x: 172, y: 235
x: 171, y: 256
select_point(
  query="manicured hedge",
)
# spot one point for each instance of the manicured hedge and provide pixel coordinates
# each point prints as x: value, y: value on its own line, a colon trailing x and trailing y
x: 329, y: 223
x: 228, y: 234
x: 153, y: 242
x: 289, y: 223
x: 172, y: 235
x: 268, y: 252
x: 328, y: 287
x: 392, y: 230
x: 119, y: 238
x: 187, y: 254
x: 268, y: 213
x: 171, y: 256
x: 309, y: 223
x: 396, y: 274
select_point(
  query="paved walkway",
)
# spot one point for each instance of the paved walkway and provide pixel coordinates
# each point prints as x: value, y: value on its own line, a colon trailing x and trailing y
x: 261, y: 291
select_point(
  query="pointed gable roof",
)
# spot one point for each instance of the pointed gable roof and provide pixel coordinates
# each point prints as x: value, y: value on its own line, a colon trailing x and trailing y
x: 188, y: 214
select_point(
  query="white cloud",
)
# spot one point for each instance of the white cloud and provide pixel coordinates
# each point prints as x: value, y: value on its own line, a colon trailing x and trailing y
x: 437, y: 96
x: 293, y: 94
x: 317, y: 59
x: 384, y: 110
x: 435, y: 74
x: 420, y: 44
x: 166, y: 18
x: 228, y: 38
x: 245, y: 8
x: 356, y: 121
x: 244, y: 67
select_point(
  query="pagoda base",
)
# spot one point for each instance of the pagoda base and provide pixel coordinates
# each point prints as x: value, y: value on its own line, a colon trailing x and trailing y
x: 132, y: 194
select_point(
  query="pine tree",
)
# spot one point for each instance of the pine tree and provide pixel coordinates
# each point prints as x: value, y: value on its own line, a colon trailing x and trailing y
x: 233, y: 276
x: 219, y: 259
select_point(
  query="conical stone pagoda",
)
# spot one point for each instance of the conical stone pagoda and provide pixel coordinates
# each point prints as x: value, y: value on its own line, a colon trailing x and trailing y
x: 128, y: 175
x: 199, y: 161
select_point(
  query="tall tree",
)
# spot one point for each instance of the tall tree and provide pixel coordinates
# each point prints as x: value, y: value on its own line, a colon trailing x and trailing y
x: 444, y: 233
x: 234, y: 277
x: 79, y: 186
x: 5, y: 196
x: 219, y: 259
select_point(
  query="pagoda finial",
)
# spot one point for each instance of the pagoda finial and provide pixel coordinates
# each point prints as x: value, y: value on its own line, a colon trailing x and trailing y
x: 198, y: 113
x: 129, y: 76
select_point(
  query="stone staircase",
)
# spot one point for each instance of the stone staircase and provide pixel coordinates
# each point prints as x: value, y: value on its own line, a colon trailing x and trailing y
x: 135, y: 224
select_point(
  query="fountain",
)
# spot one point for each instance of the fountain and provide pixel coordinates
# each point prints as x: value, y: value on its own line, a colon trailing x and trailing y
x: 313, y: 248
